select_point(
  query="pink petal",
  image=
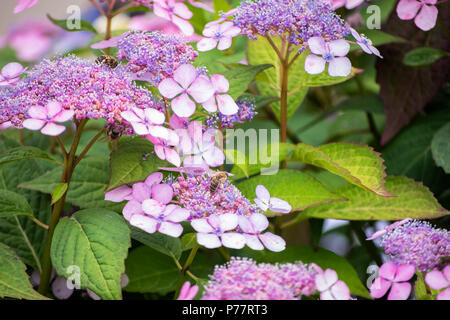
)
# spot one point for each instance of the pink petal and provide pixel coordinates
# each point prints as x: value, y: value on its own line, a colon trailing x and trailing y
x: 201, y: 225
x: 177, y: 122
x: 33, y: 124
x: 321, y: 282
x: 140, y: 128
x: 208, y: 240
x: 377, y: 234
x: 407, y: 9
x: 330, y: 277
x: 155, y: 116
x: 64, y: 116
x: 24, y: 4
x: 317, y: 45
x: 426, y: 19
x: 162, y: 193
x: 444, y: 295
x: 436, y: 280
x: 245, y: 225
x: 262, y: 193
x: 326, y: 295
x: 339, y: 48
x: 226, y: 104
x: 154, y: 178
x: 279, y: 205
x: 118, y: 194
x: 228, y: 221
x: 144, y: 223
x: 340, y: 291
x: 53, y: 108
x: 204, y: 6
x: 388, y: 271
x: 195, y: 131
x: 158, y: 132
x: 379, y: 287
x: 185, y: 75
x: 201, y: 89
x: 161, y: 11
x: 446, y: 273
x: 399, y: 291
x: 152, y: 207
x: 252, y: 241
x: 184, y: 291
x: 339, y: 67
x: 130, y: 116
x: 12, y: 70
x: 259, y: 221
x: 314, y: 64
x: 169, y: 88
x: 37, y: 112
x: 131, y: 208
x: 52, y: 129
x: 355, y: 35
x: 141, y: 191
x: 211, y: 31
x: 178, y: 215
x: 173, y: 157
x: 171, y: 229
x: 231, y: 31
x: 113, y: 42
x: 183, y: 106
x: 273, y: 242
x: 351, y: 4
x: 214, y: 157
x: 180, y: 9
x: 210, y: 104
x: 183, y: 25
x: 404, y: 272
x: 224, y: 43
x: 220, y: 83
x: 206, y: 44
x: 233, y: 240
x: 264, y: 206
x: 159, y: 150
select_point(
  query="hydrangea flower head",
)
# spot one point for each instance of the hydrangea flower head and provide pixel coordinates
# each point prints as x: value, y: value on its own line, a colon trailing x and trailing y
x: 394, y: 277
x: 416, y: 243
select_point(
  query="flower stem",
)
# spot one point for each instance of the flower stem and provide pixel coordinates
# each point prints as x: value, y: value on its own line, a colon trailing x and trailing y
x: 89, y: 145
x: 190, y: 259
x: 57, y: 210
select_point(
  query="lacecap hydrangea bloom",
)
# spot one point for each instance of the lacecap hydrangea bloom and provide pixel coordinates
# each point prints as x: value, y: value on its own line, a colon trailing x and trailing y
x: 416, y: 243
x: 244, y: 279
x: 90, y: 90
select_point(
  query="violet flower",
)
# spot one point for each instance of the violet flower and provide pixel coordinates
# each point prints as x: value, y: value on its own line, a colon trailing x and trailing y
x: 44, y: 118
x: 394, y: 277
x: 10, y: 73
x: 186, y: 83
x: 332, y: 52
x: 364, y: 43
x: 219, y: 35
x: 439, y: 280
x: 265, y: 202
x: 204, y: 153
x: 163, y: 150
x: 425, y: 19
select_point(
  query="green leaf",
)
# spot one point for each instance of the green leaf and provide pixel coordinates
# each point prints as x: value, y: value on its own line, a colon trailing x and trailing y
x: 14, y: 282
x: 21, y: 153
x: 324, y: 79
x: 357, y: 164
x: 420, y: 289
x: 420, y: 57
x: 133, y: 162
x: 97, y: 242
x: 150, y: 271
x: 298, y: 188
x: 440, y: 147
x: 413, y: 200
x: 220, y: 5
x: 241, y: 77
x: 59, y: 191
x: 188, y: 241
x: 84, y: 25
x: 160, y: 242
x: 13, y: 204
x: 321, y: 257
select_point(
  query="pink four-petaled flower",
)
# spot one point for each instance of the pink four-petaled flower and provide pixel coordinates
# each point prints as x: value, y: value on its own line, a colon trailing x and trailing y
x: 330, y: 287
x: 223, y: 101
x: 44, y: 118
x: 253, y: 226
x: 393, y: 277
x: 212, y: 231
x: 146, y: 121
x: 333, y: 52
x: 425, y: 19
x: 265, y: 202
x: 163, y: 148
x: 439, y: 280
x: 10, y: 73
x: 186, y: 83
x: 176, y: 12
x: 219, y: 35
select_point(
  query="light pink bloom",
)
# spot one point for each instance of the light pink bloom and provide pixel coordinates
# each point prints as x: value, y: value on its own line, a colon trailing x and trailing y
x: 425, y: 19
x: 265, y: 202
x: 11, y: 73
x: 211, y: 231
x: 44, y: 118
x: 253, y: 226
x: 5, y: 125
x: 365, y: 43
x: 349, y: 4
x: 24, y: 4
x: 167, y: 220
x: 332, y: 52
x: 225, y: 102
x: 394, y: 277
x: 187, y: 291
x: 439, y: 280
x: 201, y: 5
x: 119, y: 194
x: 204, y: 152
x: 388, y: 228
x: 330, y: 287
x: 146, y: 121
x: 175, y: 12
x: 112, y: 42
x: 219, y: 35
x: 163, y: 150
x: 185, y: 84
